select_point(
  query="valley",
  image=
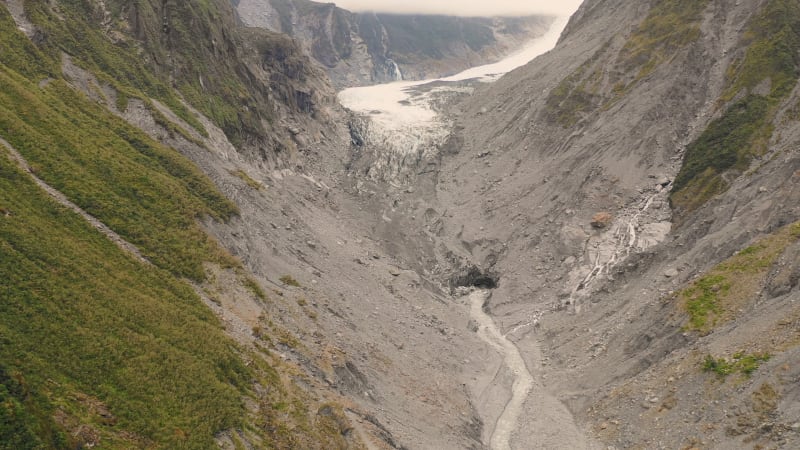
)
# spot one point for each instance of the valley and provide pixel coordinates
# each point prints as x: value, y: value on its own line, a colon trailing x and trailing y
x: 409, y: 120
x: 233, y: 225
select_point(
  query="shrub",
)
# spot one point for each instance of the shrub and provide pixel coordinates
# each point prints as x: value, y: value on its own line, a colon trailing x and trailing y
x: 740, y: 362
x: 289, y: 281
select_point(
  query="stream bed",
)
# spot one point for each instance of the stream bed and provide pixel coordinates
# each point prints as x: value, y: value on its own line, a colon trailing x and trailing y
x: 523, y: 380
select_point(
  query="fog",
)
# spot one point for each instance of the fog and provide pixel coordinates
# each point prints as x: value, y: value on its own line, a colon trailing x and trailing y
x: 394, y: 108
x: 465, y: 7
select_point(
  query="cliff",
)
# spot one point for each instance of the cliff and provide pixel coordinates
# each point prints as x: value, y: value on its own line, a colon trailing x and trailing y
x: 366, y: 48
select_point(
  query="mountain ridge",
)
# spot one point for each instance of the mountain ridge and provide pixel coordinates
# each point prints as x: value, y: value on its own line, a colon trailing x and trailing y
x: 367, y: 48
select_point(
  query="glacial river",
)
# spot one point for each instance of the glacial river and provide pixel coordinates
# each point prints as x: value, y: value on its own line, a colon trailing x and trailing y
x: 400, y: 113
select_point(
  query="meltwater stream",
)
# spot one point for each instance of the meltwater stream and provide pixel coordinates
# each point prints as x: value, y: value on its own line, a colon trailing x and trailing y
x: 402, y: 120
x: 523, y: 380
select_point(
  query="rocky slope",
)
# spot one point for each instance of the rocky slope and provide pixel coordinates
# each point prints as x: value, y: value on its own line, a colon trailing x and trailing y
x: 661, y: 323
x: 629, y: 198
x: 365, y: 48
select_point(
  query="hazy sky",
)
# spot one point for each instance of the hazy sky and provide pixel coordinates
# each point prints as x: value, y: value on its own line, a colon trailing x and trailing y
x: 464, y: 7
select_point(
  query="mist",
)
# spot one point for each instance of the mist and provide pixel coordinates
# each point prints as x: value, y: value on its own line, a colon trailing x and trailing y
x: 465, y: 7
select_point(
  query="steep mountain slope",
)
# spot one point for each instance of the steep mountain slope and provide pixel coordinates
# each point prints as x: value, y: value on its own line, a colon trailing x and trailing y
x: 109, y: 279
x: 194, y: 253
x: 666, y: 311
x: 320, y: 337
x: 366, y: 48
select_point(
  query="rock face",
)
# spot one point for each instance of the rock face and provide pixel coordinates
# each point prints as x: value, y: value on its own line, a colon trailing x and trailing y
x: 365, y: 48
x: 250, y: 82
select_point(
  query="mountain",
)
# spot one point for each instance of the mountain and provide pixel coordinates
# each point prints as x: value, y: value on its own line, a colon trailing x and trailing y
x: 366, y: 48
x: 200, y: 248
x: 112, y: 288
x: 636, y: 190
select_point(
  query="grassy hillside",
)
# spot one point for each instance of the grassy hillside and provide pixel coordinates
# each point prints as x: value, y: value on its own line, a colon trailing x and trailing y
x: 146, y: 193
x: 670, y: 26
x: 720, y: 294
x: 742, y: 132
x: 81, y: 320
x: 97, y: 348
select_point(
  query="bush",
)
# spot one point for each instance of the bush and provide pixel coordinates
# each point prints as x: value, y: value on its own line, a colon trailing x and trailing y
x: 289, y: 281
x: 740, y: 362
x: 726, y: 143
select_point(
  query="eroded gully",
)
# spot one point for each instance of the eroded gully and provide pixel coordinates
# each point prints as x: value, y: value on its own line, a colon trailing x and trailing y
x: 523, y: 380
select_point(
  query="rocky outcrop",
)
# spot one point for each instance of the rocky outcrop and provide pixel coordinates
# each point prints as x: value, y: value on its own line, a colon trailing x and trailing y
x: 365, y: 48
x: 601, y: 220
x: 246, y: 81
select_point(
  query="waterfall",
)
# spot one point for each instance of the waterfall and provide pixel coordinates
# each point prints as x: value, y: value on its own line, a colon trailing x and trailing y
x: 394, y: 70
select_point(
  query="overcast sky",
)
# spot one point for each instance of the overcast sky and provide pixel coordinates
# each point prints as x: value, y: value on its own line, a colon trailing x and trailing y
x: 464, y: 7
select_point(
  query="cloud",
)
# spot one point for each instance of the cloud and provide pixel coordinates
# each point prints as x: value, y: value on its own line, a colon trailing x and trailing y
x: 465, y: 7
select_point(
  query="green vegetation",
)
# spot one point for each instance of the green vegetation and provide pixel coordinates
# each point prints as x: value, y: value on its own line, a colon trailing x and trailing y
x: 289, y: 281
x: 79, y: 316
x: 254, y: 287
x: 703, y: 299
x: 743, y: 131
x: 18, y: 425
x: 242, y: 175
x: 147, y: 193
x: 18, y: 52
x: 670, y: 26
x: 742, y: 363
x: 162, y: 120
x: 97, y: 348
x: 69, y: 30
x: 734, y: 283
x: 773, y: 40
x: 285, y: 418
x: 90, y: 339
x: 727, y: 143
x: 209, y: 72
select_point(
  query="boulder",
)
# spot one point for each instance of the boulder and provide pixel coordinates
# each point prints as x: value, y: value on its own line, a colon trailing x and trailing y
x: 601, y: 220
